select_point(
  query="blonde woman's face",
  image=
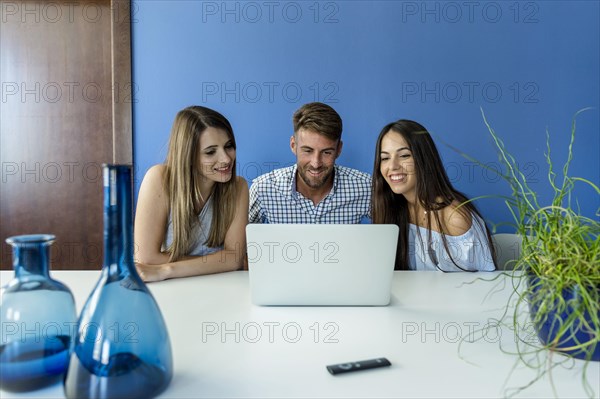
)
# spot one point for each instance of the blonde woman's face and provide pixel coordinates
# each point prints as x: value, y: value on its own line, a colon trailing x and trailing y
x: 216, y: 156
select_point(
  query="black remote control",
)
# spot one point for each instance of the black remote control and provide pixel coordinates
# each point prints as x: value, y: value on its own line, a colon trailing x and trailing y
x: 357, y: 366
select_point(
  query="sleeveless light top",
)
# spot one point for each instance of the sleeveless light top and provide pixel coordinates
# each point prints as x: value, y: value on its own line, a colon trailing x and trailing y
x: 470, y: 250
x: 199, y: 248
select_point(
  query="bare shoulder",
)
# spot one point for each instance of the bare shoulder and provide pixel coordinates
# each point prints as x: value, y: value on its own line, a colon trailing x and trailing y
x: 153, y: 200
x: 457, y: 219
x: 243, y: 195
x: 153, y: 181
x: 242, y: 187
x: 242, y: 192
x: 241, y: 183
x: 156, y: 171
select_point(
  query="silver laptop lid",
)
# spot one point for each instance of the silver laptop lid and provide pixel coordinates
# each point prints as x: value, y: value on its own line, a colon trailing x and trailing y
x: 321, y: 264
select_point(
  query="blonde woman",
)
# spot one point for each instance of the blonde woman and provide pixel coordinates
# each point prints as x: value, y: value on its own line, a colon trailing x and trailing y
x: 192, y: 210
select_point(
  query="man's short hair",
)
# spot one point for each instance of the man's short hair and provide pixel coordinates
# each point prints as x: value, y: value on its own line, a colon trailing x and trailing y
x: 319, y: 118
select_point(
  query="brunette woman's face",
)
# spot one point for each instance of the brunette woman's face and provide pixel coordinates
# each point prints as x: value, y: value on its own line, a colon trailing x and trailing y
x: 217, y: 155
x: 397, y: 165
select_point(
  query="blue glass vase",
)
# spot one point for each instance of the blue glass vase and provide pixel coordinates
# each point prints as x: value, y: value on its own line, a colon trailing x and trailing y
x: 122, y: 347
x: 38, y: 318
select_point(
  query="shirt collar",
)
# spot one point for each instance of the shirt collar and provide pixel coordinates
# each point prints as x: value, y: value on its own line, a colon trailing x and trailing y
x: 293, y: 193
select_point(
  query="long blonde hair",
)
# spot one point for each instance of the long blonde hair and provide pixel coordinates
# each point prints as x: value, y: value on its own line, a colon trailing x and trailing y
x: 182, y: 181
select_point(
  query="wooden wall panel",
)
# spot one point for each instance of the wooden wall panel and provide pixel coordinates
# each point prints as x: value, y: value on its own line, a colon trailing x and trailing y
x: 59, y: 122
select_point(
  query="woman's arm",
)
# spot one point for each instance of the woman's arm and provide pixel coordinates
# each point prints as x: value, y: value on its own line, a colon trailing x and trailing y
x: 230, y: 258
x: 151, y: 218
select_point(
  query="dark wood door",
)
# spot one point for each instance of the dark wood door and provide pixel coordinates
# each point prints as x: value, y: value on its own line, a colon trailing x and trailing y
x: 65, y: 108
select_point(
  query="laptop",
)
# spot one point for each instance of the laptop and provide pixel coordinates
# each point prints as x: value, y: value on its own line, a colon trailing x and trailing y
x: 321, y: 264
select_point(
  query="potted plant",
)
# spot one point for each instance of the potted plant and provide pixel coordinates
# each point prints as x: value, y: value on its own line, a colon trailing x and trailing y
x: 556, y: 279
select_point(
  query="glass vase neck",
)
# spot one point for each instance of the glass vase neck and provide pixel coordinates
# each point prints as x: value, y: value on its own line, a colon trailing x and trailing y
x: 118, y: 220
x: 31, y: 254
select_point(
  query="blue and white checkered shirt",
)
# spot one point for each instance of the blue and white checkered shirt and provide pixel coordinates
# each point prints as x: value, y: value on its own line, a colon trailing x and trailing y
x: 274, y: 199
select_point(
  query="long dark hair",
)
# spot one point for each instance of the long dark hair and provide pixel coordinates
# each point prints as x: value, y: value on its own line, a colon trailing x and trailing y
x: 433, y: 188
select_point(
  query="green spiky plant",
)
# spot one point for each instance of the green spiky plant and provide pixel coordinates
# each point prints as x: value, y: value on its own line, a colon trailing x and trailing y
x: 560, y: 254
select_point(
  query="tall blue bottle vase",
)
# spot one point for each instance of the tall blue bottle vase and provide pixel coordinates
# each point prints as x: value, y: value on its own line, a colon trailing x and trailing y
x: 38, y: 318
x: 122, y: 347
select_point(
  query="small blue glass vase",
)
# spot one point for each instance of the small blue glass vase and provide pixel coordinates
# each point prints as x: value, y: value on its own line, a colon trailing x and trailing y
x: 38, y: 319
x: 122, y: 347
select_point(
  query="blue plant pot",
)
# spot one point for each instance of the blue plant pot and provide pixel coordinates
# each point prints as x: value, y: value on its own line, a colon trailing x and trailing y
x: 547, y: 329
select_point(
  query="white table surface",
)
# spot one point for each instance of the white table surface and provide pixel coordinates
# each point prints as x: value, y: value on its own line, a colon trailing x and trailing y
x: 418, y: 333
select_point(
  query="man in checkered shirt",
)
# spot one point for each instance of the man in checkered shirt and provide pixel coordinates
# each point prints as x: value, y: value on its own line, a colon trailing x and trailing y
x: 315, y: 189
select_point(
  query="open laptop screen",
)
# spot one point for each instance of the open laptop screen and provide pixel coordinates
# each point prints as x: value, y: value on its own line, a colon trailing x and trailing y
x: 321, y: 264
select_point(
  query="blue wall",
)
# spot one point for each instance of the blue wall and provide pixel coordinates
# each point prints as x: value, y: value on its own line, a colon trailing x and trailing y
x: 529, y: 65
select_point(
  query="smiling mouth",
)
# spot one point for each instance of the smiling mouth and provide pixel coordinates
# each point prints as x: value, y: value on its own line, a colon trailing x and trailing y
x: 315, y: 172
x: 225, y: 169
x: 398, y: 178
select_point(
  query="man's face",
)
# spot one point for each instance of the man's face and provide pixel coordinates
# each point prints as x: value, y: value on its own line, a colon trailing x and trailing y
x: 315, y: 157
